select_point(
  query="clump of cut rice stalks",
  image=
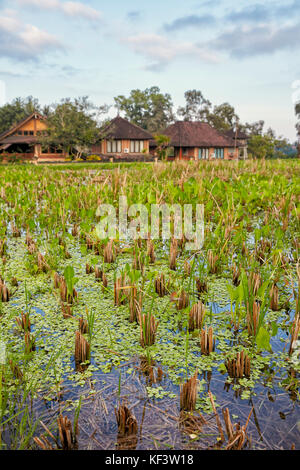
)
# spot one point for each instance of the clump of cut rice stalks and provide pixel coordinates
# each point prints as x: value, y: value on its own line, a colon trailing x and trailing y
x: 263, y: 248
x: 42, y: 264
x: 82, y: 325
x: 201, y: 286
x: 187, y: 268
x: 191, y: 424
x: 127, y: 428
x: 212, y: 261
x: 188, y: 393
x: 173, y: 253
x: 236, y: 434
x: 89, y: 242
x: 109, y: 252
x: 67, y: 310
x: 16, y: 232
x: 150, y: 251
x: 67, y: 435
x: 89, y: 269
x: 57, y: 280
x: 274, y: 296
x: 207, y: 341
x: 294, y: 334
x: 153, y: 374
x: 82, y: 351
x: 254, y: 282
x: 196, y: 316
x: 3, y: 247
x: 252, y: 317
x: 160, y: 286
x: 65, y: 295
x: 148, y: 329
x: 138, y: 259
x: 29, y: 343
x: 135, y: 305
x: 75, y: 230
x: 23, y: 322
x: 121, y: 289
x: 239, y: 367
x: 236, y: 275
x: 183, y: 300
x: 101, y: 276
x: 4, y: 292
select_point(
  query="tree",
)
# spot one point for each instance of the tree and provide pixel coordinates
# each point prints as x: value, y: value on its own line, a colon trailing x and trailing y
x: 18, y: 109
x: 163, y: 142
x: 72, y: 126
x: 223, y: 117
x: 261, y: 146
x: 197, y: 108
x: 256, y: 128
x: 149, y: 109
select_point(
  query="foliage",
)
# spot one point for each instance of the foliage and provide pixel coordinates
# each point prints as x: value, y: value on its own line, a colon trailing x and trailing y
x: 72, y: 126
x: 149, y: 109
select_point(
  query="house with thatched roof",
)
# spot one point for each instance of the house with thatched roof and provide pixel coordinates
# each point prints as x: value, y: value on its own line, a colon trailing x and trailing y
x: 23, y: 141
x: 121, y: 140
x: 241, y: 140
x: 193, y: 140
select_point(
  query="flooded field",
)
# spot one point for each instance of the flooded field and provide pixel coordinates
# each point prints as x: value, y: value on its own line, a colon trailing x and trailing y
x: 142, y: 344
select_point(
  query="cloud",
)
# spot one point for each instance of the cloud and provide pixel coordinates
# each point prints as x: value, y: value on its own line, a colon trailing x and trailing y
x: 254, y: 13
x: 161, y: 50
x: 69, y: 8
x: 134, y: 15
x: 257, y: 40
x: 24, y: 41
x: 192, y: 21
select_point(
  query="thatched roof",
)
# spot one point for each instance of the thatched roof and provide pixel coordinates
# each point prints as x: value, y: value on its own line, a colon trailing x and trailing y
x: 120, y: 128
x: 15, y: 127
x: 196, y: 134
x: 232, y: 134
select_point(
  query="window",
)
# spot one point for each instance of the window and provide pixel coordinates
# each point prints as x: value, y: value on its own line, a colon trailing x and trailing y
x: 20, y: 133
x: 31, y: 133
x: 114, y: 146
x: 25, y: 132
x: 136, y: 146
x: 219, y: 153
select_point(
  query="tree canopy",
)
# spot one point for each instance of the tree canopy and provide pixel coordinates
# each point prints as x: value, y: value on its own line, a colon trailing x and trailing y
x: 72, y: 126
x: 149, y: 109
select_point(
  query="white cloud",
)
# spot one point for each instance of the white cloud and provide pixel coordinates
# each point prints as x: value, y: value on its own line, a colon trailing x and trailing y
x: 24, y: 41
x: 74, y: 9
x: 162, y: 50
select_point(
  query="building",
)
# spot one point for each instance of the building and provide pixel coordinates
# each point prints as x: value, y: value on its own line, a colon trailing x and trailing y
x: 241, y: 140
x: 123, y: 141
x: 199, y: 141
x: 23, y: 141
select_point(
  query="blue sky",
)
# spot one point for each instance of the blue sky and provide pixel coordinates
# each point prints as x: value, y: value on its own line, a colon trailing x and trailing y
x: 245, y: 53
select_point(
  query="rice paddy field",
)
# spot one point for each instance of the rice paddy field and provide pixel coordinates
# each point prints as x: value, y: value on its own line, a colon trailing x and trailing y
x: 140, y: 344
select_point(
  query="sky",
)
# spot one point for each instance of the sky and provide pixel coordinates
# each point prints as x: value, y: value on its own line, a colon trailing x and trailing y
x: 245, y: 53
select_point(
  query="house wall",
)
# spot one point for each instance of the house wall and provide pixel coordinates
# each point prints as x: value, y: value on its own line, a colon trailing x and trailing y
x: 193, y: 153
x: 101, y: 148
x: 33, y: 125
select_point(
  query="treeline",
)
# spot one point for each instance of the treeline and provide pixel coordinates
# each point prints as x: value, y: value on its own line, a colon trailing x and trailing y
x: 76, y: 124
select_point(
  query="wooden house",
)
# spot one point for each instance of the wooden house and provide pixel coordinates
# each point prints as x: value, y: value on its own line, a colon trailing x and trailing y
x: 241, y: 140
x: 121, y: 140
x: 23, y: 141
x: 192, y: 140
